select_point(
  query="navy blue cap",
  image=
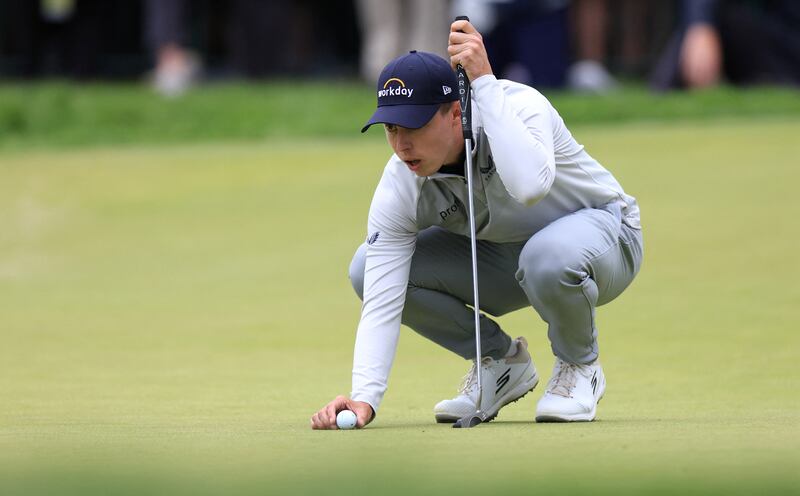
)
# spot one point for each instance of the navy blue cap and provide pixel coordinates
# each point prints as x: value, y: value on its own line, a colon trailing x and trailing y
x: 411, y: 88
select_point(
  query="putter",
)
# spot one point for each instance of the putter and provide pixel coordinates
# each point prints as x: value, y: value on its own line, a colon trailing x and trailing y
x: 476, y: 418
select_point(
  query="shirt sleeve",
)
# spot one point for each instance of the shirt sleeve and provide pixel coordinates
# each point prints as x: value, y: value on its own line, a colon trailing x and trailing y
x: 390, y: 246
x: 519, y: 126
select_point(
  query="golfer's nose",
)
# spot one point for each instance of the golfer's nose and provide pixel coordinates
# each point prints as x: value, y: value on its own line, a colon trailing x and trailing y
x: 403, y: 139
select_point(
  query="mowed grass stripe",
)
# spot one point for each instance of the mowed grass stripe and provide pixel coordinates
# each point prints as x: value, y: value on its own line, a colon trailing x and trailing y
x: 58, y: 114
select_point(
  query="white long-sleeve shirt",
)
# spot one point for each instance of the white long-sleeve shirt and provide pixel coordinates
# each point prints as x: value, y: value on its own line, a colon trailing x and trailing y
x: 529, y: 171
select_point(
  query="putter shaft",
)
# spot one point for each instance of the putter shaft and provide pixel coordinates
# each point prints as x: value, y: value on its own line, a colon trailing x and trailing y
x: 474, y: 250
x: 466, y: 124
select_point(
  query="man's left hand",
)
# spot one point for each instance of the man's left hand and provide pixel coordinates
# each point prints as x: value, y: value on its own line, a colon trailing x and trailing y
x: 326, y: 417
x: 466, y: 48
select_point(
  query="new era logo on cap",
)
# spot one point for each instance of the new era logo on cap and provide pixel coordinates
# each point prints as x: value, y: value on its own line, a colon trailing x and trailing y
x: 411, y: 88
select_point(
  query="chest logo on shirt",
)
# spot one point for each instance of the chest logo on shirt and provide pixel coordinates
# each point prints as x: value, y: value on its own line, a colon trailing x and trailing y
x: 448, y: 211
x: 489, y: 169
x: 373, y: 238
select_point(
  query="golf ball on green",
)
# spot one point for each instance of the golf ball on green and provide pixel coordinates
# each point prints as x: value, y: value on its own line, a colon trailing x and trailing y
x: 346, y: 419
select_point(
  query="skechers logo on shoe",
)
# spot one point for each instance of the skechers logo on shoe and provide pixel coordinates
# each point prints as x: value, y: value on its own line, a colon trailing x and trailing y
x: 503, y: 380
x: 395, y: 90
x: 594, y: 383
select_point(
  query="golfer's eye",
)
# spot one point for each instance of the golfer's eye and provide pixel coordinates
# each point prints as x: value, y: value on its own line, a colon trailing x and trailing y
x: 390, y: 128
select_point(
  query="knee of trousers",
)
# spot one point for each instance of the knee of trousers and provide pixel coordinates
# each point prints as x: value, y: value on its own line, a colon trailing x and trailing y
x: 547, y: 268
x: 357, y: 266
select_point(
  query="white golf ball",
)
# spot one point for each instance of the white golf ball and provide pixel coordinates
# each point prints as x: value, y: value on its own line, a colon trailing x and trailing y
x: 346, y: 419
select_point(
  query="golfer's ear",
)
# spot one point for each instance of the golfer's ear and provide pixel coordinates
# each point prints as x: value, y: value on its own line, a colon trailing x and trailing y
x: 455, y: 111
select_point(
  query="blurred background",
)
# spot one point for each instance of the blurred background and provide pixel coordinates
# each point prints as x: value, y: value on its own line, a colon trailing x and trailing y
x: 90, y: 71
x: 582, y: 45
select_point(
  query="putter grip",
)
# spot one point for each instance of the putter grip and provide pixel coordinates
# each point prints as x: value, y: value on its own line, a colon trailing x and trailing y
x: 464, y: 95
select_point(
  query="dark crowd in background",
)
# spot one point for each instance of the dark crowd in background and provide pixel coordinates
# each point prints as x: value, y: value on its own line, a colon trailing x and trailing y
x: 583, y: 45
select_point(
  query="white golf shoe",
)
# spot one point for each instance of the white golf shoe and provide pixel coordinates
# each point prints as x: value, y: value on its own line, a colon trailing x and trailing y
x: 572, y: 393
x: 504, y: 381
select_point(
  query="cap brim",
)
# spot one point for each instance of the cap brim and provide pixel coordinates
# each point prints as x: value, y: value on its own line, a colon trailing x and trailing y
x: 409, y: 116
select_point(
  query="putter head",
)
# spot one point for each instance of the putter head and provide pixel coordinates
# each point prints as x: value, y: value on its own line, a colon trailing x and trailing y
x: 469, y: 421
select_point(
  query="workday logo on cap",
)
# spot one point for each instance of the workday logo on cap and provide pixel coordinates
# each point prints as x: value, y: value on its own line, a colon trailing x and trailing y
x: 411, y: 88
x: 395, y: 90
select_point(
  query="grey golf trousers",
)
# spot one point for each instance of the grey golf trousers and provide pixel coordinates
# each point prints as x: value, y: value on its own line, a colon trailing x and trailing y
x: 565, y: 271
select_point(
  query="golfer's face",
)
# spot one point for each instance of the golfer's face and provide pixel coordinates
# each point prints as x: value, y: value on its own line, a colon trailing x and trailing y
x: 426, y: 149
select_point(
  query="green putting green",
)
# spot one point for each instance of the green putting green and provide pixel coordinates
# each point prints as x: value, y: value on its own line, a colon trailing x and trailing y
x: 171, y: 316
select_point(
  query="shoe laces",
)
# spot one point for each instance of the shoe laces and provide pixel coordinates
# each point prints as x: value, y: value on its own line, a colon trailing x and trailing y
x: 564, y: 380
x: 470, y: 381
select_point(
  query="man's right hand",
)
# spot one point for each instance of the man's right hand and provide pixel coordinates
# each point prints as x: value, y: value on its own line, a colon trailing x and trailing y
x: 326, y: 418
x: 466, y: 48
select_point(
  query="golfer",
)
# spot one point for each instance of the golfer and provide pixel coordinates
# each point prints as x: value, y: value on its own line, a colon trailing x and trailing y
x: 555, y: 231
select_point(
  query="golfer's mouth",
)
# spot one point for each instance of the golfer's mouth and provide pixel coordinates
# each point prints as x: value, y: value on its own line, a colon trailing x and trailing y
x: 412, y: 164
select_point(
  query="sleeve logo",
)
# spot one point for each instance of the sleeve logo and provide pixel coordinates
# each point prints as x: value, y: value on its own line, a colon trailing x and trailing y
x: 373, y: 238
